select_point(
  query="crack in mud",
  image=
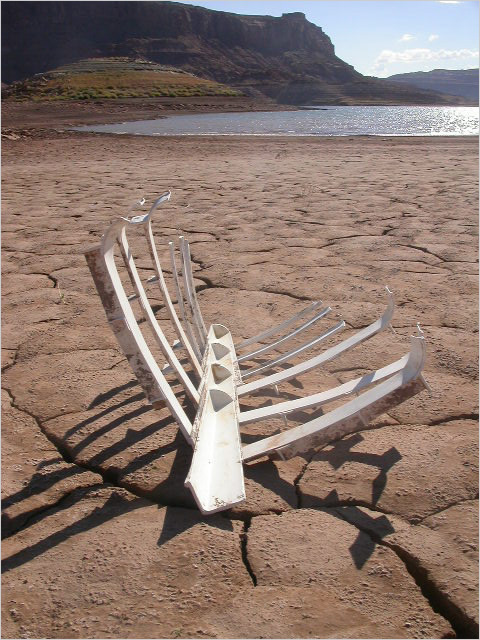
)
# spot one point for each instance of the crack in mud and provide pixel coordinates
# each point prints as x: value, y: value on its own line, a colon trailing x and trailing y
x: 243, y: 547
x: 61, y: 448
x: 34, y: 514
x: 425, y: 250
x: 210, y: 285
x: 448, y: 506
x: 439, y: 601
x: 6, y: 367
x: 109, y: 476
x: 53, y: 279
x: 298, y: 478
x: 355, y: 502
x: 460, y: 416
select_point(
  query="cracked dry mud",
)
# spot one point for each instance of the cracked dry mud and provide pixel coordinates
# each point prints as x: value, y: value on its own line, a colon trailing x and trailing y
x: 375, y: 536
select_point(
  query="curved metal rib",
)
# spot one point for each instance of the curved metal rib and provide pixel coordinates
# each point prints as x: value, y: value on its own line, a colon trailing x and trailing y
x: 198, y: 324
x: 352, y: 416
x: 294, y: 352
x: 279, y: 327
x: 194, y: 361
x: 125, y: 326
x: 178, y: 291
x: 324, y: 397
x: 152, y: 321
x: 216, y: 475
x: 288, y: 336
x: 329, y: 354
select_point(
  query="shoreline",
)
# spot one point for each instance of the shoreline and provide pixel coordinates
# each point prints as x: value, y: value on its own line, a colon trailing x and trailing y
x: 271, y: 136
x: 36, y: 118
x: 53, y: 133
x: 37, y: 115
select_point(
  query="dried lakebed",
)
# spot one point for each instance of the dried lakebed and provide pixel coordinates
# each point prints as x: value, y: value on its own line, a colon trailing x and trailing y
x: 374, y: 536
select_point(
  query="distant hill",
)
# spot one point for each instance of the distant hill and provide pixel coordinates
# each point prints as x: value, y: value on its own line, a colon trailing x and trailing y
x: 461, y: 82
x: 109, y: 78
x: 288, y: 58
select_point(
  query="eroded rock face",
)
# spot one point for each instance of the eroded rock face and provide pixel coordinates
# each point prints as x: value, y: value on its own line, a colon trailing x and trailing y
x: 459, y: 82
x: 287, y: 58
x: 179, y: 35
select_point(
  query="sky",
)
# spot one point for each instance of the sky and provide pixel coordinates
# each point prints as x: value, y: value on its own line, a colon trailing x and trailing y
x: 384, y: 37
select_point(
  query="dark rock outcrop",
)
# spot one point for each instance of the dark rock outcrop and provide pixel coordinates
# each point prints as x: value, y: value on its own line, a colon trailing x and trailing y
x: 287, y: 58
x: 456, y: 82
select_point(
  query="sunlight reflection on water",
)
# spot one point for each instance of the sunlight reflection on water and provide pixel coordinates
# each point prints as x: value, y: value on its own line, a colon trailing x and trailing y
x: 324, y: 121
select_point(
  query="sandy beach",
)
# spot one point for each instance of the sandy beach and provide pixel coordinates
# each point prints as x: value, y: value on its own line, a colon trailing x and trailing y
x: 375, y: 536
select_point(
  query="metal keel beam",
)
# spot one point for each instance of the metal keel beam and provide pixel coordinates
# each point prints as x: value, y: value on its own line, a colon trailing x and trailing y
x: 216, y: 474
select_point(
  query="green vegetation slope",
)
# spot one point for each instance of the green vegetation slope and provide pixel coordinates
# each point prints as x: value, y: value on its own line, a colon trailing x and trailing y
x: 110, y: 78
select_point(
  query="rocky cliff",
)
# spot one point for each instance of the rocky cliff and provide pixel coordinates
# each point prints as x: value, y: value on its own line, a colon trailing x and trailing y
x: 456, y: 82
x: 287, y: 58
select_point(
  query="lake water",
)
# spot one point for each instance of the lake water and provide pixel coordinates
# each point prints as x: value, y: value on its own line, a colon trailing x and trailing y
x: 324, y: 121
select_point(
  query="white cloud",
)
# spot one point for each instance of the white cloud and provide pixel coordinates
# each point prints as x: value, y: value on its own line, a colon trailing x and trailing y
x: 388, y: 57
x: 449, y: 2
x: 433, y: 37
x: 406, y: 37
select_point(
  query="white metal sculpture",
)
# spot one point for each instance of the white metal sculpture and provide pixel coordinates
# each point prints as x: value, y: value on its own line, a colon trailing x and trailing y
x: 216, y: 473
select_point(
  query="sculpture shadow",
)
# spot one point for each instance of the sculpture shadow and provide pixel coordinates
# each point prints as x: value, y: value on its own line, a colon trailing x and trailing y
x: 39, y: 482
x: 113, y: 507
x: 341, y: 452
x: 170, y: 492
x: 180, y: 513
x: 177, y: 520
x: 371, y: 530
x: 49, y: 473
